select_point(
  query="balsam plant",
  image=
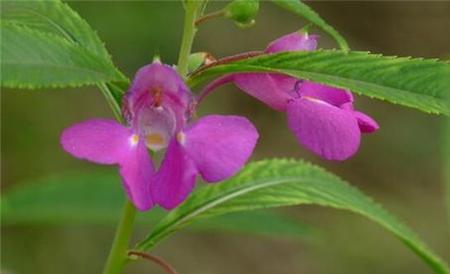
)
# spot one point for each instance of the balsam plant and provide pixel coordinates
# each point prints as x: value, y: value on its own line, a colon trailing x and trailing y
x: 45, y: 44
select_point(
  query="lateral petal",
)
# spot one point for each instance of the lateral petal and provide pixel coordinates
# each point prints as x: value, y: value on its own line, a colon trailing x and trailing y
x: 175, y: 178
x: 220, y: 145
x: 324, y: 129
x: 98, y: 140
x: 136, y: 169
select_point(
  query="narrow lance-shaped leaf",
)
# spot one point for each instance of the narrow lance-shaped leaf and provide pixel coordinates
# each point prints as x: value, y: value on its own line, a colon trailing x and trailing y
x: 34, y: 59
x: 274, y: 183
x: 413, y: 82
x: 96, y: 198
x: 303, y: 10
x: 258, y: 222
x: 446, y: 159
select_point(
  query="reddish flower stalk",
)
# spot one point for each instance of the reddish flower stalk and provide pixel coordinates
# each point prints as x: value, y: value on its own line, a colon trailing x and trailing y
x: 156, y: 259
x: 209, y: 16
x: 229, y: 59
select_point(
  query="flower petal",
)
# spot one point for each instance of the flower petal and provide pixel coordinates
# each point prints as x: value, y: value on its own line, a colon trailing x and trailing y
x: 136, y: 169
x: 156, y: 85
x: 331, y: 95
x: 220, y: 145
x: 326, y: 130
x: 295, y: 41
x: 97, y: 140
x: 108, y: 142
x: 176, y: 177
x: 157, y: 75
x: 366, y: 123
x: 271, y: 89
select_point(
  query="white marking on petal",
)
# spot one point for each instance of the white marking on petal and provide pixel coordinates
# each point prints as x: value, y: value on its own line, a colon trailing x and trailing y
x: 315, y: 100
x: 134, y: 139
x: 181, y: 138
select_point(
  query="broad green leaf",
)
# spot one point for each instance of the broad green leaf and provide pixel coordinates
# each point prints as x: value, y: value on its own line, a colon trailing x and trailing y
x: 274, y: 183
x: 55, y: 17
x: 97, y: 198
x: 34, y: 59
x: 413, y: 82
x: 303, y: 10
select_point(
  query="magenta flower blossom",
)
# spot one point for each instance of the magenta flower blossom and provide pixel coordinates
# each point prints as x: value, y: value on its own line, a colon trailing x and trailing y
x: 157, y: 108
x: 321, y: 117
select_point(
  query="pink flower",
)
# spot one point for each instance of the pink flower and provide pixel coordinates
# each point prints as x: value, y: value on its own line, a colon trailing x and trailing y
x: 157, y: 108
x: 321, y: 117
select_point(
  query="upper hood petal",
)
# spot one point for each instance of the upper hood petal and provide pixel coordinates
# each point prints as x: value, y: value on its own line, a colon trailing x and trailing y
x: 295, y: 41
x: 331, y: 95
x: 157, y: 85
x: 271, y: 89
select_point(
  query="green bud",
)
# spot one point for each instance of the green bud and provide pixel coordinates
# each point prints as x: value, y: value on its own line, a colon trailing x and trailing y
x: 243, y: 12
x: 198, y: 59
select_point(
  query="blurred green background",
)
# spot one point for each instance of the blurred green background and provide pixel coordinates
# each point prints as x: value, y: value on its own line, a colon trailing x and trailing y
x: 400, y: 165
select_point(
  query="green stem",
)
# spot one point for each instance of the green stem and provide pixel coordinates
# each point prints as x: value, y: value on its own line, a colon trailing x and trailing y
x: 118, y: 253
x: 191, y: 9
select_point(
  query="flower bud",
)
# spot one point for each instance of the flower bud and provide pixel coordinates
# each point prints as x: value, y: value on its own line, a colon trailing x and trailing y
x: 199, y: 59
x: 243, y: 12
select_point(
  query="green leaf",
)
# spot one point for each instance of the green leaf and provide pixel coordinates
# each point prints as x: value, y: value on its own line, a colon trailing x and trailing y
x: 446, y: 159
x: 274, y: 183
x: 75, y: 198
x: 53, y: 18
x: 257, y: 222
x: 70, y: 198
x: 56, y: 17
x: 303, y: 10
x: 34, y: 59
x: 413, y: 82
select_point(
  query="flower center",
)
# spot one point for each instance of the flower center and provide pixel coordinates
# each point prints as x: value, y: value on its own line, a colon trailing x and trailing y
x: 157, y: 126
x: 155, y: 141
